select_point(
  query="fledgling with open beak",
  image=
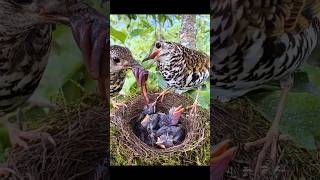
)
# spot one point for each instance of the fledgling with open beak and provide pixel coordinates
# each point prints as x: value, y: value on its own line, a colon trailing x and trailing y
x: 221, y: 155
x: 172, y: 118
x: 150, y: 122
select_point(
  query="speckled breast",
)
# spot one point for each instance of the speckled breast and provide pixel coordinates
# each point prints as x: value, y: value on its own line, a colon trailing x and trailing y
x: 23, y: 59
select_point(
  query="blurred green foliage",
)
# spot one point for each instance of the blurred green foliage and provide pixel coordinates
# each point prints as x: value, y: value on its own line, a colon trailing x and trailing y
x: 139, y: 32
x: 301, y: 119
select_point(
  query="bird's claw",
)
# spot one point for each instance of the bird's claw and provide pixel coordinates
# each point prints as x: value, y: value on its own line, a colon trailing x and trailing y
x: 117, y: 105
x: 20, y: 138
x: 270, y: 142
x: 6, y: 172
x: 193, y: 109
x: 162, y: 94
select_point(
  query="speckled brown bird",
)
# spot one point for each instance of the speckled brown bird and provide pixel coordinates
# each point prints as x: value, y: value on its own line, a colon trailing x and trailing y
x: 182, y: 68
x: 121, y: 60
x: 25, y: 41
x: 255, y: 42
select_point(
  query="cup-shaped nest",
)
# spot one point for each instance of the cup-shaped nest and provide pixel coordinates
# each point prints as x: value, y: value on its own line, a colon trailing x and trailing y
x: 196, y: 128
x: 81, y: 135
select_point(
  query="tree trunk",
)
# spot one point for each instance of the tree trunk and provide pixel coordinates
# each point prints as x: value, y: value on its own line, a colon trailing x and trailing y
x: 188, y: 31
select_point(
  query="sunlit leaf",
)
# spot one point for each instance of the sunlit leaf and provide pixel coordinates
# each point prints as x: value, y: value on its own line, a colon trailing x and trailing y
x: 118, y: 34
x: 300, y: 119
x: 136, y: 32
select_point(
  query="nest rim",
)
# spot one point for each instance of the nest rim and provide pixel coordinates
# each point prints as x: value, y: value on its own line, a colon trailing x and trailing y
x: 196, y: 130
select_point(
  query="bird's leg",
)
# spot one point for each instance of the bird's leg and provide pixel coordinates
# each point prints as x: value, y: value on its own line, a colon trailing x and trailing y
x: 194, y: 106
x: 162, y: 94
x: 20, y: 138
x: 271, y: 140
x: 116, y: 104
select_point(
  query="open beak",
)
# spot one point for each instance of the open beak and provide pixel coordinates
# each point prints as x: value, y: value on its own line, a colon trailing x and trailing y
x: 221, y: 155
x: 160, y: 144
x: 152, y: 55
x: 177, y: 114
x: 179, y: 110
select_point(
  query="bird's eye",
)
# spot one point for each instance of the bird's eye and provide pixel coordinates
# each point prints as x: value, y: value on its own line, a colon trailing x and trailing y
x: 23, y: 2
x: 116, y: 60
x: 158, y: 45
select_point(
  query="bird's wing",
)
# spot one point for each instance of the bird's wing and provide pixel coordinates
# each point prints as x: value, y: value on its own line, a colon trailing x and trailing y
x: 274, y: 17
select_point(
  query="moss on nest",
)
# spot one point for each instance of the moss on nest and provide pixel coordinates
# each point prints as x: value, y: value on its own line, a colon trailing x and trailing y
x: 81, y: 134
x: 240, y: 122
x: 128, y: 149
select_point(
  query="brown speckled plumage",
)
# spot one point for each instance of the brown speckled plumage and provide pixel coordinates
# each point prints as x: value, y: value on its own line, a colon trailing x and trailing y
x: 254, y: 42
x: 120, y: 60
x: 24, y: 51
x: 182, y: 68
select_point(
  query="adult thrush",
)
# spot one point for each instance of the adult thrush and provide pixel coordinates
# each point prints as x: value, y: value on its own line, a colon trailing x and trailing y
x: 255, y: 42
x: 182, y: 68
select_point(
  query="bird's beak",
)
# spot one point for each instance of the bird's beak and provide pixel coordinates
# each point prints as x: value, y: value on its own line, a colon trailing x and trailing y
x: 145, y: 120
x: 160, y: 144
x: 132, y: 64
x: 152, y: 55
x: 54, y: 17
x: 221, y: 155
x: 177, y: 113
x: 179, y: 109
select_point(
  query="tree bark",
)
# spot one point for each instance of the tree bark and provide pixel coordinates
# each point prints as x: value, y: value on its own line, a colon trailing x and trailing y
x: 188, y: 31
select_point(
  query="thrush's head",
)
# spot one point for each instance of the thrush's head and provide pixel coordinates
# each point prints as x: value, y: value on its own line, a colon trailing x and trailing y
x: 161, y: 51
x: 121, y: 58
x: 20, y: 15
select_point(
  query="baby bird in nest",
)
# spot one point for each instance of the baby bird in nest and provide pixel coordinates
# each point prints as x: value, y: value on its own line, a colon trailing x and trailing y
x: 221, y: 155
x: 162, y: 130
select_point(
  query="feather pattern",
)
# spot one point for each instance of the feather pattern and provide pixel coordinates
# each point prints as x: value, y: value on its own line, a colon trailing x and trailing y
x: 247, y: 55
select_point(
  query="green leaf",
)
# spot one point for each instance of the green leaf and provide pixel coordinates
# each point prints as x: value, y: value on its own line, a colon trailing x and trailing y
x: 130, y: 81
x: 121, y: 36
x: 203, y: 98
x: 300, y: 119
x: 136, y: 32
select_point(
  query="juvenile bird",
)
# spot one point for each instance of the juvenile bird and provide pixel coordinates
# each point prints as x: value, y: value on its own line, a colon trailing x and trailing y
x: 183, y: 69
x: 168, y: 136
x: 150, y: 122
x: 172, y: 118
x: 221, y: 155
x: 255, y: 42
